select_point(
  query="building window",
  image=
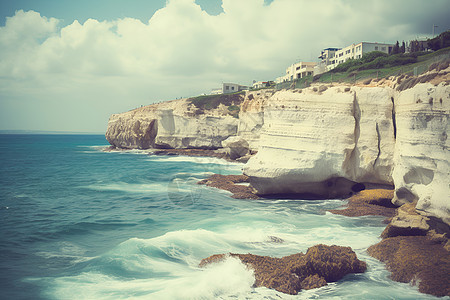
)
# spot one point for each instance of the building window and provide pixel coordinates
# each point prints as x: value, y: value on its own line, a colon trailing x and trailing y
x: 232, y: 88
x: 227, y: 87
x: 376, y: 47
x: 383, y: 48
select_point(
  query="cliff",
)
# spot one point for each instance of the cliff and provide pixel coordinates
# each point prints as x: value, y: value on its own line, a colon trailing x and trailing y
x: 332, y: 141
x: 325, y: 141
x: 173, y: 124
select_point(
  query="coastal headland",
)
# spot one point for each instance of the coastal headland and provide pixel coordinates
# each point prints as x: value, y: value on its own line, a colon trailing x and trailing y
x: 382, y: 142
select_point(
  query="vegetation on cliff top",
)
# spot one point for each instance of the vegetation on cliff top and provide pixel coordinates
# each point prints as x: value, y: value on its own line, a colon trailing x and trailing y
x: 375, y: 65
x: 231, y: 101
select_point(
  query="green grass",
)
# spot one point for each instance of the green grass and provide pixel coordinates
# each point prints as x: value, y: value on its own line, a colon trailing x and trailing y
x: 213, y: 101
x: 380, y: 66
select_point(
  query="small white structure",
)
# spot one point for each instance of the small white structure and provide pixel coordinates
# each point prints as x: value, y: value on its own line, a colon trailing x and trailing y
x: 332, y: 57
x: 261, y: 84
x: 228, y: 88
x: 297, y: 70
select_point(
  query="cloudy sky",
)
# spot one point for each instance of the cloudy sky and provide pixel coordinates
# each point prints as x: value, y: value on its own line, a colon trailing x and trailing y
x: 68, y: 65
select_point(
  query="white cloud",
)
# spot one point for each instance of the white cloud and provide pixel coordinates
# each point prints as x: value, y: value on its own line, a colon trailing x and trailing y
x: 180, y: 51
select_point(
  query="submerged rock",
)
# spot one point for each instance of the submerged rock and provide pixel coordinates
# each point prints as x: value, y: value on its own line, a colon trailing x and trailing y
x: 290, y: 274
x: 231, y: 183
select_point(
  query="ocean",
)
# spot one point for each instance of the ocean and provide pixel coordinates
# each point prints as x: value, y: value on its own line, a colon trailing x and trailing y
x: 80, y: 223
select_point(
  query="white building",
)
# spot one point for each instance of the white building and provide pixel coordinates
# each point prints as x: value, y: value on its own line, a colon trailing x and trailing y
x: 332, y: 57
x: 261, y: 84
x: 228, y: 88
x: 327, y: 57
x: 297, y: 70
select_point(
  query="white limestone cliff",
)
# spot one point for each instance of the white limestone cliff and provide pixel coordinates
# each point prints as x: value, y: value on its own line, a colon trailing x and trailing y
x: 421, y: 160
x: 251, y: 116
x: 134, y: 129
x: 204, y: 131
x: 172, y: 124
x: 325, y: 141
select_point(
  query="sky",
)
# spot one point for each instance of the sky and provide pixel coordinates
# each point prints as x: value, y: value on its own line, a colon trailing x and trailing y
x: 68, y: 65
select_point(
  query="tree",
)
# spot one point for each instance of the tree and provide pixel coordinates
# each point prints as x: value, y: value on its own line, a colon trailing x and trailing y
x: 403, y: 47
x: 441, y: 41
x: 414, y: 46
x: 396, y: 48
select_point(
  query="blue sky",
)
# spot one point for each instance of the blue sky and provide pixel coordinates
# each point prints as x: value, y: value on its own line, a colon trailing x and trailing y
x: 81, y: 10
x: 69, y: 65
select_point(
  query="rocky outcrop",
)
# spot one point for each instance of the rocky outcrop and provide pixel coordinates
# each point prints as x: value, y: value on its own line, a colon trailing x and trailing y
x: 416, y: 249
x: 135, y: 129
x: 417, y: 260
x: 236, y: 147
x: 369, y: 202
x: 291, y: 274
x: 236, y: 184
x: 323, y: 143
x: 183, y: 123
x: 422, y: 167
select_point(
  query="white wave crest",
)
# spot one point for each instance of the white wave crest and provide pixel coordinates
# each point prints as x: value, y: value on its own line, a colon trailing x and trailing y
x: 129, y: 187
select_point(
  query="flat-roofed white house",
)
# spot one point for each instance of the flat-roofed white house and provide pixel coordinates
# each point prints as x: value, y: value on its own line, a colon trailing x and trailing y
x: 327, y: 57
x: 297, y: 70
x: 332, y: 57
x: 228, y: 88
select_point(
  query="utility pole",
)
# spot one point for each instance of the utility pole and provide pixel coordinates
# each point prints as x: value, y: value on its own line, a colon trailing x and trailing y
x: 434, y: 26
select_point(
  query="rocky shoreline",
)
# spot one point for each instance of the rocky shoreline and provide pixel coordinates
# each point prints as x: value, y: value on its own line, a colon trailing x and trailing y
x: 328, y: 141
x: 415, y: 249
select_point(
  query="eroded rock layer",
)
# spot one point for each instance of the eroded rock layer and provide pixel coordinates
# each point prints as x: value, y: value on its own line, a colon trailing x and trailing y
x: 324, y: 143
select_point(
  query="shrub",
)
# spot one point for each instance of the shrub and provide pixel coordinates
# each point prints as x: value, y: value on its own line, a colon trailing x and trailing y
x: 213, y: 101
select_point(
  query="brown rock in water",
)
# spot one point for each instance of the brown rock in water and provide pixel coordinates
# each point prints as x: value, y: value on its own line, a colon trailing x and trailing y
x: 290, y: 274
x: 406, y: 222
x: 229, y: 183
x: 415, y: 249
x: 369, y: 202
x: 418, y: 260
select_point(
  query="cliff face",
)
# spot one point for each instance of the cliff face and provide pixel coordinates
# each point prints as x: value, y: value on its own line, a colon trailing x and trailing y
x: 178, y: 131
x: 172, y: 124
x: 251, y: 116
x: 422, y: 169
x: 331, y: 142
x: 133, y: 130
x: 324, y: 141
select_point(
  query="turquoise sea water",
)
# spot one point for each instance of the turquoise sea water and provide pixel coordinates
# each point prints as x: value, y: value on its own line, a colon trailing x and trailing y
x: 80, y: 223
